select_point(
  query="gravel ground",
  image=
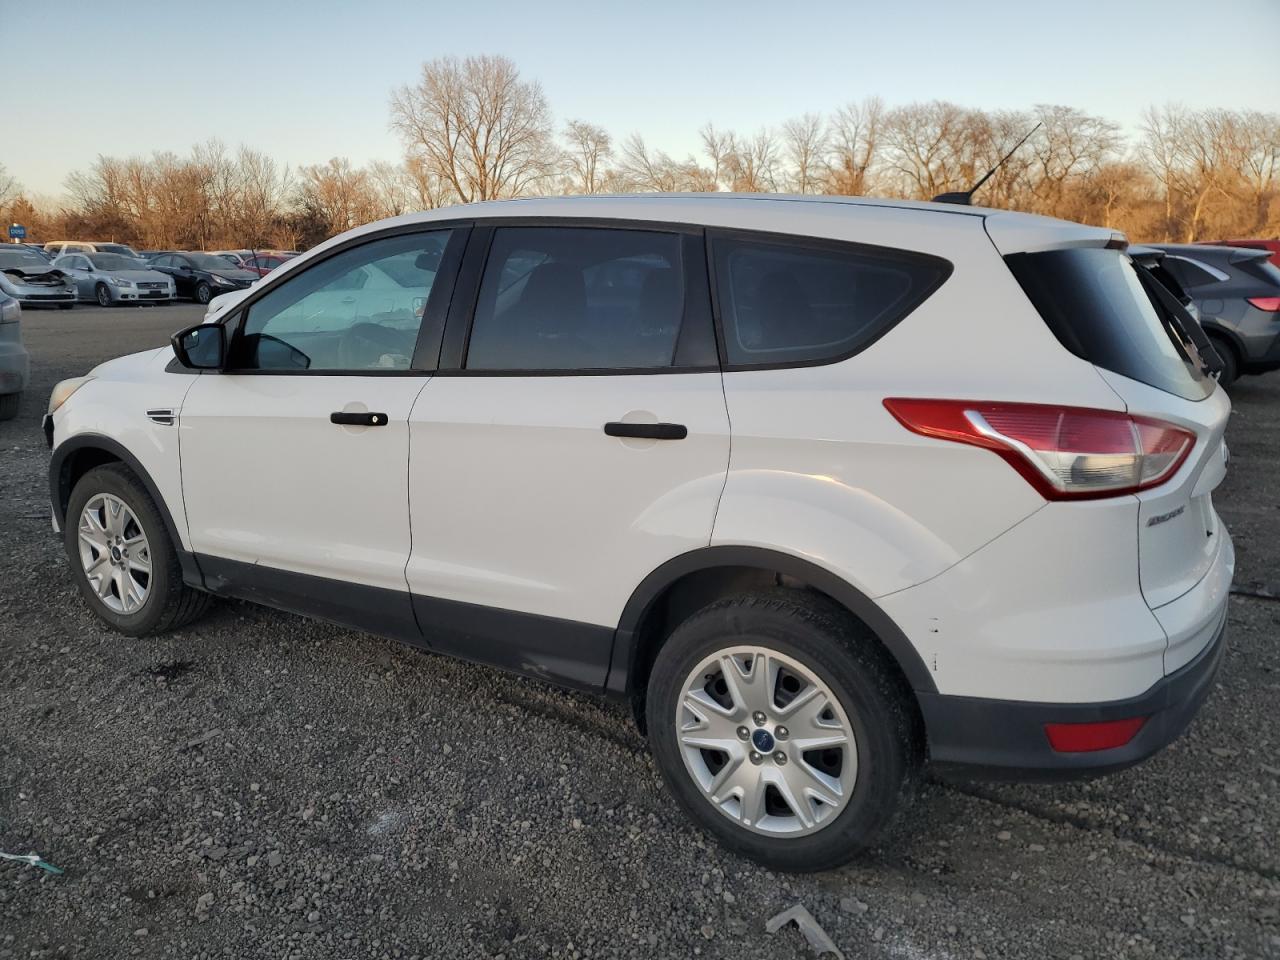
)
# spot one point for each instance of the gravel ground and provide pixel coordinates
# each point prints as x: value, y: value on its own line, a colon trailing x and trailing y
x: 260, y: 785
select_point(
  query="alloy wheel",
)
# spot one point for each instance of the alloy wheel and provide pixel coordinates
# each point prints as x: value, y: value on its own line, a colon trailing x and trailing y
x: 114, y: 553
x: 766, y: 741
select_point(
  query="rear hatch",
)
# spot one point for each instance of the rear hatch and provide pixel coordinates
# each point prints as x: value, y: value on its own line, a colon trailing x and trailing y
x: 1105, y: 310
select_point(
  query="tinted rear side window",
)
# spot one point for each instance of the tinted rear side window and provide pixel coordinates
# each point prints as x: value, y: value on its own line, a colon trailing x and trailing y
x: 786, y: 303
x: 1095, y: 304
x: 570, y: 298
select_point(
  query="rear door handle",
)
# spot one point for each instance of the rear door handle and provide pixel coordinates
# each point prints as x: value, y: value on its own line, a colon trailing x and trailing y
x: 647, y: 431
x: 359, y: 419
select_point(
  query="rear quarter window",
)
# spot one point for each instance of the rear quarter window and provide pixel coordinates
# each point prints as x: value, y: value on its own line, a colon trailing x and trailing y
x: 789, y: 302
x: 1095, y: 304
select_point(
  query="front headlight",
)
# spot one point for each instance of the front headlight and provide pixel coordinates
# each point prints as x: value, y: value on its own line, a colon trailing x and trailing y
x: 120, y: 281
x: 223, y: 281
x: 62, y: 391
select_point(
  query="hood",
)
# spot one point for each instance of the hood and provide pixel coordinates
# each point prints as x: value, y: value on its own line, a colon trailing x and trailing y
x: 232, y: 273
x: 138, y: 276
x: 127, y: 367
x: 50, y: 275
x: 222, y: 303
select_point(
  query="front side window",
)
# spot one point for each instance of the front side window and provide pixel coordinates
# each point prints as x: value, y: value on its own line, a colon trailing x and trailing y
x: 359, y: 310
x: 578, y: 298
x: 785, y: 303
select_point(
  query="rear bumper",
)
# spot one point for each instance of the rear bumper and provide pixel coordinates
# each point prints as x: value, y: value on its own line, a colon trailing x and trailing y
x: 975, y: 738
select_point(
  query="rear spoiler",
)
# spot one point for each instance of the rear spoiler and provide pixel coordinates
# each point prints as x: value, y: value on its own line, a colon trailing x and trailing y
x: 1233, y: 254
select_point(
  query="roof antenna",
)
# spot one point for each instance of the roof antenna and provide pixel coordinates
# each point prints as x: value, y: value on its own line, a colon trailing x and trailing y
x: 965, y: 197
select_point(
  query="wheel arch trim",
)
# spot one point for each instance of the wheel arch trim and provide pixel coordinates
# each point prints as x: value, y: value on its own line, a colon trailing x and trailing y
x: 60, y: 491
x: 623, y: 668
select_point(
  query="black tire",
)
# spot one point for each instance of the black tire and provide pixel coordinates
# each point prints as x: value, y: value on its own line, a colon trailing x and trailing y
x: 1230, y: 362
x: 9, y: 404
x: 204, y: 293
x: 844, y: 655
x: 102, y: 293
x: 169, y: 603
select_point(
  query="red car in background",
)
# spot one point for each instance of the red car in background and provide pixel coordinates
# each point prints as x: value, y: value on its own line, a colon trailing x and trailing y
x: 1270, y: 245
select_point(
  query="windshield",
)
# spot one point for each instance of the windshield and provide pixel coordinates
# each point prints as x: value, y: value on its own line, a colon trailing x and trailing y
x: 207, y: 261
x: 25, y: 259
x: 1096, y: 305
x: 117, y: 248
x: 116, y: 261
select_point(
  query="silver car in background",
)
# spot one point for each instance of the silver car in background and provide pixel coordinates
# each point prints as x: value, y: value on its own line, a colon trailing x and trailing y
x: 32, y: 280
x: 15, y: 366
x: 109, y: 278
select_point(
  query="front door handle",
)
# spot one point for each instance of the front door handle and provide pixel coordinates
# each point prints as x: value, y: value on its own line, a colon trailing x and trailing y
x: 647, y: 431
x: 359, y: 419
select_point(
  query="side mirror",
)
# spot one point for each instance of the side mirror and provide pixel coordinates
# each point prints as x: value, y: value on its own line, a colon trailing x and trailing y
x: 202, y: 347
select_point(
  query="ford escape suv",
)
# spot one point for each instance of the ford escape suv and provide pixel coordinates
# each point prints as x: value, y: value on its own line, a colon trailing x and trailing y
x: 824, y: 488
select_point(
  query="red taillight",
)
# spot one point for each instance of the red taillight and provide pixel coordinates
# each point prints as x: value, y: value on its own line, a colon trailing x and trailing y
x: 1087, y: 737
x: 1066, y: 453
x: 1269, y: 304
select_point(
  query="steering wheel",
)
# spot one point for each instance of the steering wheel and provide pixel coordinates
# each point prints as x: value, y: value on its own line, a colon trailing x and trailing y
x: 363, y: 346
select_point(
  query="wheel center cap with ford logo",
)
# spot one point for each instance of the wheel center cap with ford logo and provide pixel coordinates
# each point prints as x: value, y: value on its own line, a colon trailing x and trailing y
x: 762, y: 740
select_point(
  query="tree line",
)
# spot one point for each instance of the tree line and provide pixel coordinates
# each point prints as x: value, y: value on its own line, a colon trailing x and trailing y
x: 474, y: 129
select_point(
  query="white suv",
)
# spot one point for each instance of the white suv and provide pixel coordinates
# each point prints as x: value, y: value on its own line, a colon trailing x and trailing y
x: 824, y: 488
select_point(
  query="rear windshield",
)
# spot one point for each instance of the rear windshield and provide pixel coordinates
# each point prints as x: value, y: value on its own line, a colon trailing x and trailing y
x: 1095, y: 304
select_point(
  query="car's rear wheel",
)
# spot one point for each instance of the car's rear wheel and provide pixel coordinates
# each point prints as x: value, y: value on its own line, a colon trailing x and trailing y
x: 122, y: 559
x: 103, y: 295
x: 204, y: 293
x: 1230, y: 362
x: 780, y: 728
x: 9, y: 404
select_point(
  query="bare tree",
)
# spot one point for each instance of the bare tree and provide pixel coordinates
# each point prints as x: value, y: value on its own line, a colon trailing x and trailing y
x: 476, y: 125
x: 805, y: 145
x: 717, y: 146
x: 642, y: 169
x: 8, y: 187
x: 856, y: 132
x: 337, y: 196
x: 752, y: 165
x: 922, y: 142
x: 589, y: 148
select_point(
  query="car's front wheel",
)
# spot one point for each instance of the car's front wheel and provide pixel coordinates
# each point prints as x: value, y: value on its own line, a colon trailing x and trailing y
x: 781, y: 730
x: 103, y: 295
x: 122, y: 559
x: 204, y: 293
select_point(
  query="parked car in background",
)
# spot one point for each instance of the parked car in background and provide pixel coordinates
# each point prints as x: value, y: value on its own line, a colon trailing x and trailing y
x: 57, y: 248
x: 260, y: 262
x: 233, y: 256
x: 1150, y: 262
x: 264, y: 263
x: 754, y: 468
x: 1237, y: 290
x: 32, y: 280
x: 15, y: 365
x: 1271, y: 246
x: 201, y: 276
x: 110, y: 278
x: 38, y: 248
